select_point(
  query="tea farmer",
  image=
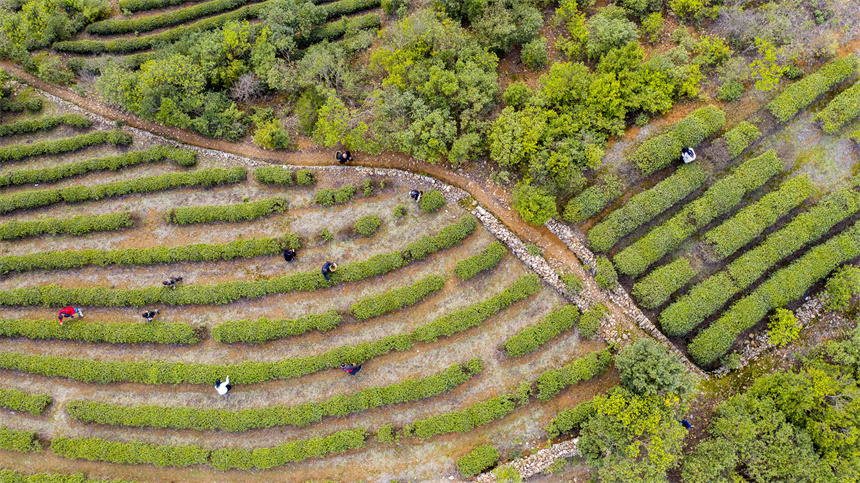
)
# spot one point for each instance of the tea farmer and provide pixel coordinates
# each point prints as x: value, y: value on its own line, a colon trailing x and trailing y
x: 289, y: 254
x: 351, y: 369
x: 69, y: 312
x: 688, y: 155
x: 327, y: 268
x: 150, y: 314
x: 171, y: 282
x: 343, y: 157
x: 223, y: 387
x: 416, y: 195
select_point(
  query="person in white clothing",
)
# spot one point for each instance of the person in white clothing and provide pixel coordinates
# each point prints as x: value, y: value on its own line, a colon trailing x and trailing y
x: 688, y: 155
x: 223, y: 387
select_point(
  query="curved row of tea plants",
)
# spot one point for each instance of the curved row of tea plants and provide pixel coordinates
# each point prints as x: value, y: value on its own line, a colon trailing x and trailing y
x: 277, y: 175
x: 66, y: 145
x: 43, y: 124
x: 76, y: 225
x: 110, y: 332
x: 187, y: 215
x: 486, y: 260
x: 114, y: 26
x: 531, y: 338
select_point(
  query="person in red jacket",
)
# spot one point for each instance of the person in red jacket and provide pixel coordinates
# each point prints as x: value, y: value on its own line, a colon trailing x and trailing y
x: 69, y: 312
x: 351, y: 369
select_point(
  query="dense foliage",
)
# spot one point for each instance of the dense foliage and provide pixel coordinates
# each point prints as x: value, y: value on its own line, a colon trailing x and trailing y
x: 397, y: 298
x: 478, y: 460
x: 649, y: 369
x: 841, y: 286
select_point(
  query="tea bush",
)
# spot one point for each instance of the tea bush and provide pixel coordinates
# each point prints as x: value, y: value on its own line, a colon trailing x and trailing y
x: 593, y: 199
x: 409, y: 390
x: 134, y: 453
x: 784, y: 286
x: 570, y: 420
x: 589, y: 323
x: 841, y: 286
x: 534, y: 54
x: 645, y: 206
x: 140, y: 5
x: 740, y: 137
x: 76, y: 225
x: 43, y: 124
x: 264, y: 458
x: 112, y: 163
x: 708, y: 296
x: 367, y: 225
x: 23, y: 441
x: 77, y: 194
x: 718, y: 200
x: 305, y: 177
x: 328, y: 196
x: 572, y: 282
x: 21, y: 151
x: 276, y: 175
x: 22, y: 401
x: 187, y: 215
x: 804, y: 92
x: 475, y: 415
x: 747, y: 224
x: 552, y: 382
x: 264, y: 330
x: 842, y: 109
x: 449, y: 236
x: 606, y: 277
x: 199, y: 252
x: 531, y: 338
x: 478, y: 460
x: 486, y: 260
x: 111, y: 332
x: 431, y: 201
x: 658, y: 286
x: 397, y: 298
x: 660, y: 151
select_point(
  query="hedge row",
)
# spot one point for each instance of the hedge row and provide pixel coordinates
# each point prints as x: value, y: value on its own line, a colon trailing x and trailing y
x: 187, y: 215
x: 461, y: 320
x: 784, y: 286
x: 9, y: 476
x: 644, y: 206
x: 707, y: 297
x: 328, y: 196
x: 740, y: 137
x: 264, y: 330
x: 409, y: 390
x: 65, y: 145
x: 112, y: 163
x: 486, y: 260
x: 97, y: 449
x: 842, y: 109
x: 23, y: 441
x: 140, y: 5
x: 589, y: 323
x: 570, y: 420
x: 76, y: 225
x: 110, y: 332
x: 718, y: 200
x: 77, y: 194
x: 531, y: 338
x: 276, y: 175
x: 43, y: 124
x: 346, y: 7
x: 133, y: 44
x: 804, y: 92
x: 658, y: 286
x: 554, y: 381
x: 337, y: 29
x: 160, y: 372
x: 463, y: 421
x: 223, y: 293
x: 593, y: 199
x: 198, y: 252
x: 23, y: 401
x: 397, y: 298
x: 660, y: 151
x: 149, y: 23
x: 747, y: 224
x: 478, y: 460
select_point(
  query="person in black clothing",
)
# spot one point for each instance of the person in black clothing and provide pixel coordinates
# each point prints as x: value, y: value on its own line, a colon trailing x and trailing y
x: 343, y: 157
x: 171, y: 282
x: 149, y: 315
x: 416, y: 195
x: 351, y: 369
x: 327, y: 268
x: 289, y: 254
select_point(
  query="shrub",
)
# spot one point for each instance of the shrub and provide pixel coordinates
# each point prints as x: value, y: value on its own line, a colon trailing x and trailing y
x: 718, y: 200
x: 328, y: 196
x: 431, y: 201
x: 606, y: 276
x: 113, y: 163
x: 652, y: 25
x: 274, y: 175
x: 535, y: 205
x: 22, y: 401
x: 747, y: 224
x: 841, y: 286
x: 660, y: 151
x: 645, y: 206
x: 390, y: 7
x: 449, y: 236
x: 335, y: 30
x: 367, y: 225
x: 740, y: 137
x: 44, y: 124
x: 187, y: 215
x: 647, y: 368
x: 572, y: 282
x: 409, y: 390
x: 399, y: 211
x: 486, y: 260
x: 478, y: 460
x: 842, y: 109
x: 534, y: 54
x: 305, y: 177
x: 385, y: 434
x: 141, y: 256
x: 731, y: 90
x: 77, y: 194
x: 552, y: 382
x: 76, y: 225
x: 707, y: 297
x: 804, y: 92
x: 115, y: 26
x: 507, y: 474
x: 23, y: 441
x: 783, y: 328
x: 531, y: 338
x: 326, y: 235
x: 367, y: 187
x: 272, y: 136
x: 593, y: 199
x: 518, y: 95
x: 21, y: 151
x: 656, y: 288
x: 589, y: 324
x: 264, y: 330
x: 570, y: 420
x: 781, y: 288
x: 397, y: 298
x: 111, y: 332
